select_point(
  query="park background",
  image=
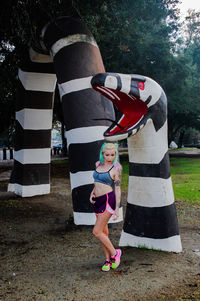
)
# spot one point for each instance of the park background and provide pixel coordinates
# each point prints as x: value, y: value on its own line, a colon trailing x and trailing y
x: 40, y: 245
x: 147, y: 37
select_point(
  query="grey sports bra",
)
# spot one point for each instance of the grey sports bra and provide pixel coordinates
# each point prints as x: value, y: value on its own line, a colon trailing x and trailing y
x: 103, y: 177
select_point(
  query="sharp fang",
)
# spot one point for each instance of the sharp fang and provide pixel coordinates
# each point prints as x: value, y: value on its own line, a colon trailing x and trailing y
x: 117, y: 137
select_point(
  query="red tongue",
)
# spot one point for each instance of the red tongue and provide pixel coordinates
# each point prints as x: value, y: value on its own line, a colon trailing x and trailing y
x: 132, y: 107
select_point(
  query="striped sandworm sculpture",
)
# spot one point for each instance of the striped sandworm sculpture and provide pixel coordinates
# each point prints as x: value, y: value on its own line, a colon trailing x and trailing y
x: 67, y: 54
x: 150, y: 219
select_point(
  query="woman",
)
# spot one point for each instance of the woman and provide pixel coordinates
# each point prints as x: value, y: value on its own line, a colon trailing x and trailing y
x: 106, y: 203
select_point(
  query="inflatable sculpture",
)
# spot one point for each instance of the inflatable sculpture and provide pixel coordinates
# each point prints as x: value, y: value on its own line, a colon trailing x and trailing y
x: 67, y: 53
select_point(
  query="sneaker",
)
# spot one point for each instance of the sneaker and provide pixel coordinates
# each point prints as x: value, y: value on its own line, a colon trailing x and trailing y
x: 106, y: 266
x: 116, y: 259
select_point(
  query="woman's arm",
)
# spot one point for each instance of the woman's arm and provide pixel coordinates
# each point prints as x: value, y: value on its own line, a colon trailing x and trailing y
x: 117, y: 183
x: 92, y: 195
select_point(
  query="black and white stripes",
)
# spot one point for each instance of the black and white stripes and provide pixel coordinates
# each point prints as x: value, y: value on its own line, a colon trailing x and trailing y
x: 151, y: 214
x: 76, y: 59
x: 150, y: 219
x: 31, y: 172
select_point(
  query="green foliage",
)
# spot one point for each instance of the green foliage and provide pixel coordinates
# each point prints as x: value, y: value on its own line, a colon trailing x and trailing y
x: 133, y: 35
x: 137, y: 36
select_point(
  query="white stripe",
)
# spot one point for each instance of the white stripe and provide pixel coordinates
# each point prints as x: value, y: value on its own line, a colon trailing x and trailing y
x: 29, y: 190
x: 33, y: 156
x: 81, y: 178
x: 159, y: 192
x: 33, y: 81
x: 85, y: 134
x: 112, y: 92
x: 106, y: 92
x: 75, y: 85
x: 81, y: 218
x: 153, y: 89
x: 32, y: 119
x: 76, y: 38
x: 148, y: 146
x: 11, y: 187
x: 170, y: 244
x: 126, y: 82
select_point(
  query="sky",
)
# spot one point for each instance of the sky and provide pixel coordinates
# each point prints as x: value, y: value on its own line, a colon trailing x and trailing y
x: 186, y: 4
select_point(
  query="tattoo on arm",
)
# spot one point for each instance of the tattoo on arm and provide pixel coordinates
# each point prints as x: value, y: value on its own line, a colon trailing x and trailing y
x: 117, y: 183
x: 118, y: 177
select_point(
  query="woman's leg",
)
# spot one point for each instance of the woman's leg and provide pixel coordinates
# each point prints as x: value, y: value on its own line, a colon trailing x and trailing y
x: 106, y: 251
x: 99, y: 232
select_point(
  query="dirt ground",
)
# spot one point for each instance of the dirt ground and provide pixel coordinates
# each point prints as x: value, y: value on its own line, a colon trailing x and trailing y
x: 44, y: 256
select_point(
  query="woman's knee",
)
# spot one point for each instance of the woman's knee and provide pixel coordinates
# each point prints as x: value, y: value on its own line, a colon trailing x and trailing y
x: 96, y: 232
x: 106, y: 231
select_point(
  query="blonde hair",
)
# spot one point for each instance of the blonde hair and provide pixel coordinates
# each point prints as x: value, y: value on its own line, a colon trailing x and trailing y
x: 108, y: 146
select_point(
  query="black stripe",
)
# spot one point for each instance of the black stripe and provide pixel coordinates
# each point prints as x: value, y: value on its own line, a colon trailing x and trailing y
x: 81, y: 108
x: 160, y: 170
x: 62, y: 28
x: 33, y: 99
x: 12, y: 176
x: 148, y: 100
x: 82, y: 157
x: 30, y: 174
x: 158, y: 222
x: 158, y: 112
x: 99, y: 79
x: 80, y: 197
x: 137, y: 77
x: 134, y: 88
x: 25, y: 139
x: 80, y: 60
x: 119, y: 82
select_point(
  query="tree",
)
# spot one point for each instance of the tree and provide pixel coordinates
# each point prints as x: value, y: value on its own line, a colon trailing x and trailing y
x: 184, y: 99
x: 133, y: 36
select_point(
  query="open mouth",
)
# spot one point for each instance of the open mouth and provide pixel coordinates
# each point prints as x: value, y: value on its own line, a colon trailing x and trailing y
x: 132, y: 108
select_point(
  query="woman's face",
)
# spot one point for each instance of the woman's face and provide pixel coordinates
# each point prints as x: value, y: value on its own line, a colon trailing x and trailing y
x: 109, y: 155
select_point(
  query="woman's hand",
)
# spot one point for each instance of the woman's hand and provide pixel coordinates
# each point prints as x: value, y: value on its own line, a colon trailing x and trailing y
x: 116, y: 214
x: 91, y: 198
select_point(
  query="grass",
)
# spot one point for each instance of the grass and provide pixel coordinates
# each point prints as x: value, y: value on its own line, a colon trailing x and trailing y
x: 185, y: 174
x: 125, y: 175
x: 186, y: 179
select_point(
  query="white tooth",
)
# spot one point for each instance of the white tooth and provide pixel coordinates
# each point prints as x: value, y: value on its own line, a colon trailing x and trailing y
x: 116, y: 138
x: 142, y: 125
x: 134, y: 131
